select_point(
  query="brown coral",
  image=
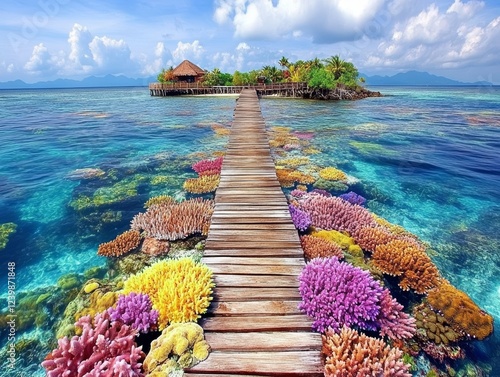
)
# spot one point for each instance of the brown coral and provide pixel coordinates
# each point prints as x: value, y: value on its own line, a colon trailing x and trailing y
x: 408, y: 260
x: 315, y: 247
x: 351, y: 354
x: 460, y: 311
x: 122, y: 244
x: 175, y: 221
x: 203, y: 184
x: 433, y: 326
x: 152, y: 246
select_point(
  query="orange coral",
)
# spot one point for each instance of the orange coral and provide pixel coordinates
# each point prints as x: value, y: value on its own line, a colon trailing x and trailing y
x: 371, y: 237
x: 122, y: 244
x: 315, y: 247
x: 408, y: 260
x: 460, y: 311
x: 288, y: 177
x: 152, y: 246
x: 202, y: 184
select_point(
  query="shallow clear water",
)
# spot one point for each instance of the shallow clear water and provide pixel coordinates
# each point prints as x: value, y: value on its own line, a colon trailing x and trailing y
x: 426, y: 158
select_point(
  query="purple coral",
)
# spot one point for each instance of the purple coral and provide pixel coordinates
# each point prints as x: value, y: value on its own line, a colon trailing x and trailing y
x: 321, y: 192
x: 297, y: 193
x: 393, y: 322
x: 335, y: 294
x: 300, y: 219
x: 353, y: 198
x: 103, y: 349
x: 135, y: 310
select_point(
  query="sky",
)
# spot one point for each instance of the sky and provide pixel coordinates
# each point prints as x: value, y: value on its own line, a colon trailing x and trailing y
x: 43, y: 40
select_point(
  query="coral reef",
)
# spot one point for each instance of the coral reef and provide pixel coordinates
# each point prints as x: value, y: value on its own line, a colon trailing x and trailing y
x: 460, y: 311
x: 353, y: 198
x: 336, y: 294
x: 334, y: 186
x: 393, y: 322
x: 202, y: 185
x: 300, y: 219
x: 6, y: 230
x: 321, y: 192
x: 332, y: 174
x: 102, y: 349
x: 408, y: 260
x: 152, y: 246
x: 159, y: 200
x: 344, y: 241
x: 351, y: 354
x: 175, y: 221
x: 289, y: 177
x: 293, y: 162
x: 181, y: 345
x: 179, y: 289
x: 136, y: 311
x: 371, y: 237
x: 204, y: 165
x: 315, y: 247
x: 433, y: 327
x: 86, y: 173
x: 335, y: 213
x: 122, y: 244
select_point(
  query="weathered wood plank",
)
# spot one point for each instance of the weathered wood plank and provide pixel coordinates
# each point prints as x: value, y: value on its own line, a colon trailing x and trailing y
x: 258, y: 341
x: 256, y: 281
x: 257, y: 323
x: 270, y: 270
x: 239, y: 308
x: 249, y: 244
x: 242, y: 252
x: 252, y: 261
x: 252, y: 294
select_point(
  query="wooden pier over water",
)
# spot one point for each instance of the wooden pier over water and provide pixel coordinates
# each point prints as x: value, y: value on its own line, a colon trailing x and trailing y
x: 254, y: 326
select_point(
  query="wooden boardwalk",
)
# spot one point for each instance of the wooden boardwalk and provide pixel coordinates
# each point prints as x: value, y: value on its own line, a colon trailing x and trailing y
x: 254, y: 326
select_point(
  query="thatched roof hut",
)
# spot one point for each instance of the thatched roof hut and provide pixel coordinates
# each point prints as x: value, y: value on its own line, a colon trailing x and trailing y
x: 187, y: 71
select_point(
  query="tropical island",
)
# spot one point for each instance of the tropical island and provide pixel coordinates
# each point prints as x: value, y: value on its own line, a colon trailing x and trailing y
x: 327, y: 79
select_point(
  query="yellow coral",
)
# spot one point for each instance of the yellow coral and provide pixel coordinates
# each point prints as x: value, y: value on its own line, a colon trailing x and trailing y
x: 99, y: 301
x: 159, y: 200
x: 293, y: 162
x: 343, y: 240
x: 179, y: 289
x: 203, y: 184
x: 332, y: 174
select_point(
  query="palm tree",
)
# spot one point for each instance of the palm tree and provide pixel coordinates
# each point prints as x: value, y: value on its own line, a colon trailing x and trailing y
x: 336, y: 66
x: 284, y: 62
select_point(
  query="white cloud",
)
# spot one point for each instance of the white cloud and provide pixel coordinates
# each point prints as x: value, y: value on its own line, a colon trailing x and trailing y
x: 110, y: 54
x: 162, y: 59
x: 325, y: 21
x: 79, y: 40
x: 189, y: 51
x: 41, y: 61
x: 465, y: 10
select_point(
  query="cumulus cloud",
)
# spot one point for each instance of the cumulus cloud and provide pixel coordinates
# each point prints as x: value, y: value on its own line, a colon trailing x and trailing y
x: 162, y: 59
x: 325, y: 21
x: 41, y: 61
x: 189, y: 51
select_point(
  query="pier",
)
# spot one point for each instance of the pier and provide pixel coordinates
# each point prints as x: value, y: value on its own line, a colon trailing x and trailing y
x: 253, y: 325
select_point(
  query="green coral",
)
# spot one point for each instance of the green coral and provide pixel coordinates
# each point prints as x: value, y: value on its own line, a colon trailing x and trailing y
x: 5, y: 231
x: 335, y: 186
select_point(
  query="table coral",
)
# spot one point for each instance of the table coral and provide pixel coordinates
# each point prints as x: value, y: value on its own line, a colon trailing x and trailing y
x: 335, y: 294
x: 460, y: 311
x: 102, y: 349
x: 332, y: 174
x: 408, y: 260
x: 181, y: 345
x: 179, y: 289
x: 315, y: 247
x: 351, y: 354
x: 202, y: 185
x: 176, y: 221
x: 122, y: 244
x: 136, y: 311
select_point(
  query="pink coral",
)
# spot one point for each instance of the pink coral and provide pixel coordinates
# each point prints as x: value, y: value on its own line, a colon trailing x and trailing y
x: 336, y: 213
x: 204, y: 165
x: 103, y: 349
x: 393, y: 322
x: 351, y: 354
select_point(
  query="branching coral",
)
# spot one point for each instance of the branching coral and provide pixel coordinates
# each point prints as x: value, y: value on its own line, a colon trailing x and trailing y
x: 202, y: 185
x: 176, y: 221
x: 181, y: 345
x: 336, y: 294
x: 371, y: 237
x: 332, y: 174
x: 344, y: 241
x: 353, y: 198
x: 136, y: 311
x: 300, y: 219
x: 205, y: 165
x: 103, y: 349
x: 350, y: 354
x: 335, y: 213
x: 293, y: 162
x: 179, y: 289
x: 460, y: 311
x: 122, y: 244
x: 408, y: 260
x: 159, y: 200
x: 393, y: 322
x: 288, y: 177
x: 315, y: 247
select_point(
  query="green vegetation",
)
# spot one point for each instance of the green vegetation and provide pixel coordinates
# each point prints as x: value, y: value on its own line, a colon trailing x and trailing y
x: 5, y: 231
x: 319, y: 74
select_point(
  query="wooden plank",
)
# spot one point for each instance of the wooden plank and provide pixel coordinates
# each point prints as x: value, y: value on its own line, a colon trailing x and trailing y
x: 245, y: 269
x: 249, y: 308
x: 252, y: 261
x: 249, y: 220
x: 243, y: 252
x: 291, y: 363
x: 257, y: 323
x: 256, y: 281
x: 249, y: 244
x: 258, y: 341
x: 276, y: 233
x: 252, y: 294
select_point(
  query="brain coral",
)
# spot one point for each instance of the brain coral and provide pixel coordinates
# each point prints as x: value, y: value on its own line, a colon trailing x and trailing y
x: 315, y: 247
x: 350, y: 354
x: 122, y: 244
x: 460, y: 311
x: 336, y: 294
x: 203, y: 184
x: 175, y: 221
x: 332, y: 174
x: 408, y: 260
x: 179, y: 289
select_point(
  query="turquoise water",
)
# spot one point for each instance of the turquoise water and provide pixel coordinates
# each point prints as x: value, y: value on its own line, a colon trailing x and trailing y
x: 426, y: 158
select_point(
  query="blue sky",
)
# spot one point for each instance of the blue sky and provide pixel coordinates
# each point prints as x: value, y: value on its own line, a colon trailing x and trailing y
x: 48, y: 39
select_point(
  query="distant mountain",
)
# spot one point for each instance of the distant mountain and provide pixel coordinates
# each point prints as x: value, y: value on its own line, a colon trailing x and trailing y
x: 411, y: 78
x: 89, y: 82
